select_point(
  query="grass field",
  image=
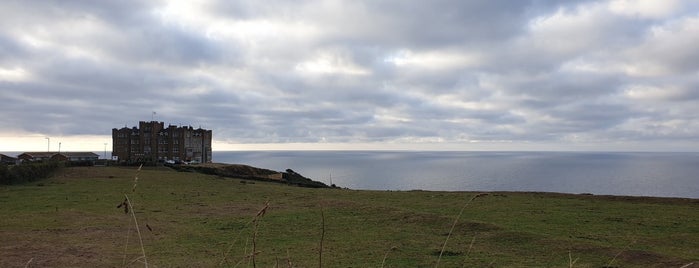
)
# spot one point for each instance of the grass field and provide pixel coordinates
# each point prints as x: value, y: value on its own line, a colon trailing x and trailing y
x: 195, y: 220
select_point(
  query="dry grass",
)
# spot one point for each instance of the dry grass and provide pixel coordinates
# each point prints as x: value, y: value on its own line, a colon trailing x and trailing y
x: 128, y: 207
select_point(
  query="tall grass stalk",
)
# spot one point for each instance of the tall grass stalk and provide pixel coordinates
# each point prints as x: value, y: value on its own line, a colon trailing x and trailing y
x: 383, y: 262
x: 622, y: 251
x: 470, y: 246
x: 251, y: 256
x: 245, y: 255
x: 128, y: 206
x: 571, y: 262
x: 385, y: 256
x: 245, y: 249
x: 126, y: 246
x: 30, y: 261
x: 454, y: 225
x: 138, y: 230
x: 322, y: 236
x: 256, y: 221
x: 288, y: 259
x: 228, y: 251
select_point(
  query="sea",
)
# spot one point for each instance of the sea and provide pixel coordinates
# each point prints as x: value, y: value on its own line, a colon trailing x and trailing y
x: 657, y: 174
x: 598, y: 173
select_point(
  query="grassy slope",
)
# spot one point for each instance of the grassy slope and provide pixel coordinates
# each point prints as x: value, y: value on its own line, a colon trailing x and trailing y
x: 72, y: 220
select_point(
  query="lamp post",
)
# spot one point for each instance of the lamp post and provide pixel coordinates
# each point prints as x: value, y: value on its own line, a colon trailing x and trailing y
x: 105, y: 150
x: 48, y: 145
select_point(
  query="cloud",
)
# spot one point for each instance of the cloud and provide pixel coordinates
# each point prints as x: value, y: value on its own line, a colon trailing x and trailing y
x: 645, y: 8
x: 407, y: 72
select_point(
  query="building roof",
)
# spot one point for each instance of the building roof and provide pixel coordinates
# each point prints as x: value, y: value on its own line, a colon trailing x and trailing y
x: 38, y: 154
x: 67, y: 154
x: 7, y: 157
x: 79, y: 154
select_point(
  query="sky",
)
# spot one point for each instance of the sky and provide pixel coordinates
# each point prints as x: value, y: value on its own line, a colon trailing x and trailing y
x: 618, y: 75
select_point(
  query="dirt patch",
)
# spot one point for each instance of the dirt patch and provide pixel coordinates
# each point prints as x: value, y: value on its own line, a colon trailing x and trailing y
x: 61, y: 247
x: 650, y: 259
x: 634, y: 258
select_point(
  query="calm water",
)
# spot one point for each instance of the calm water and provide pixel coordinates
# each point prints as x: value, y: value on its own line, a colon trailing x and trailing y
x: 638, y: 174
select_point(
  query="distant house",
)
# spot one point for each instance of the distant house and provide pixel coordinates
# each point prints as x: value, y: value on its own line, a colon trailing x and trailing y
x: 75, y: 156
x: 36, y: 156
x: 7, y: 160
x: 62, y: 156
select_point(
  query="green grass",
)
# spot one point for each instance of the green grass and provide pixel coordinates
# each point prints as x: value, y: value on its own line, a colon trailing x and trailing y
x: 72, y: 220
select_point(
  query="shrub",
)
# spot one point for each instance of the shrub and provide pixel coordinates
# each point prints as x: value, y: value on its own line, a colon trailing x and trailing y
x: 27, y: 172
x: 4, y: 174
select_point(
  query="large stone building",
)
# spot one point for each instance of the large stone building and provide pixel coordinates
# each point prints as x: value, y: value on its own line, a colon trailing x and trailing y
x: 152, y: 141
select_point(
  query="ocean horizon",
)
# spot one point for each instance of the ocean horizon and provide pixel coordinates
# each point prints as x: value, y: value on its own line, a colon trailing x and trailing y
x: 657, y: 174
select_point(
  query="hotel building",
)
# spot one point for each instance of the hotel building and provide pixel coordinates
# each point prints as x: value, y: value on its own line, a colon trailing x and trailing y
x: 152, y: 141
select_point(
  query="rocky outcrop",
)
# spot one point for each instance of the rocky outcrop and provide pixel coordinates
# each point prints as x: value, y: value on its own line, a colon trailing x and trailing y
x: 251, y: 173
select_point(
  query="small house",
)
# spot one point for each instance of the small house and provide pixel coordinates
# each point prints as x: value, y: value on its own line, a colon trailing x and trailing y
x: 35, y: 156
x: 59, y: 156
x: 7, y: 160
x: 75, y: 156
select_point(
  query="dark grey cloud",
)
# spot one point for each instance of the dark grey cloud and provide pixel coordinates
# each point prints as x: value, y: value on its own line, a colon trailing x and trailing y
x: 447, y: 71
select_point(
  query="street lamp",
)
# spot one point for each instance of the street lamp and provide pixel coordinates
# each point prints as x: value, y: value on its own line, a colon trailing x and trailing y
x: 48, y: 146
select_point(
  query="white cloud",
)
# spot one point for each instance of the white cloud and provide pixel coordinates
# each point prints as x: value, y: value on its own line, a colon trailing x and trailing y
x: 668, y: 48
x: 435, y: 60
x: 16, y: 74
x: 653, y: 93
x: 645, y: 8
x: 330, y: 62
x: 570, y: 30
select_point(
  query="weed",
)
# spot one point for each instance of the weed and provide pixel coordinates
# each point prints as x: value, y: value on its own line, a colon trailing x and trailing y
x: 571, y: 262
x: 256, y: 221
x: 128, y: 206
x: 454, y: 225
x: 322, y: 236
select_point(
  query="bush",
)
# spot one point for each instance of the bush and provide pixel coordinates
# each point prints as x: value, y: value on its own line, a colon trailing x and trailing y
x: 27, y: 172
x: 4, y: 174
x: 83, y: 163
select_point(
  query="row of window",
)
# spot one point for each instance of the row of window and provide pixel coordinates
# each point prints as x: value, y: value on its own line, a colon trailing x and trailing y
x: 148, y: 142
x: 163, y: 151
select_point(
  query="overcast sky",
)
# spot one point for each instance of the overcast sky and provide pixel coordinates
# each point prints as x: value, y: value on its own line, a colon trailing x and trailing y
x: 441, y: 74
